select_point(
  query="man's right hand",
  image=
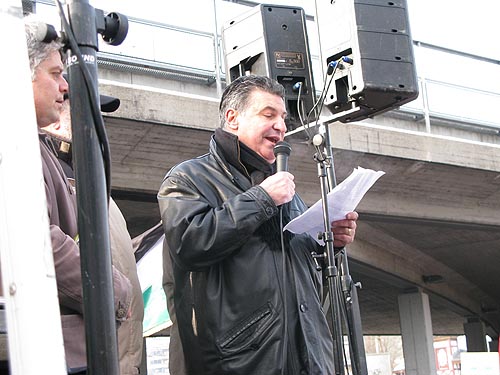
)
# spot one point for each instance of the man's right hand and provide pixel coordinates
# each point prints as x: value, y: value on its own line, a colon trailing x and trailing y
x: 280, y: 187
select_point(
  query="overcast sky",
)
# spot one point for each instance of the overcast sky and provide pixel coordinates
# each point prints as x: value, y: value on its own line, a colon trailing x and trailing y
x: 467, y: 26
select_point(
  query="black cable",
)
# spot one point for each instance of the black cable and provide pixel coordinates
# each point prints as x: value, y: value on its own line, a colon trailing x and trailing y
x: 91, y: 92
x: 285, y: 309
x: 321, y: 96
x: 301, y: 110
x: 332, y: 68
x: 326, y: 90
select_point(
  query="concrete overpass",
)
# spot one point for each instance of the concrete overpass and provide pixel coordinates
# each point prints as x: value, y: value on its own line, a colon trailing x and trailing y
x: 430, y: 225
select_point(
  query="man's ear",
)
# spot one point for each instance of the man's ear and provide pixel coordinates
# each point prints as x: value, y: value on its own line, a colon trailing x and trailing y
x: 232, y: 119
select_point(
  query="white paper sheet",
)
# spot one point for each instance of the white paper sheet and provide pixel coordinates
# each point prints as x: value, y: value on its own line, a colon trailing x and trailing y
x: 343, y: 199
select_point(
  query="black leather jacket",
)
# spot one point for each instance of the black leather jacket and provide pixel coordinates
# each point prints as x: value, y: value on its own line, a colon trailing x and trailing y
x: 229, y: 281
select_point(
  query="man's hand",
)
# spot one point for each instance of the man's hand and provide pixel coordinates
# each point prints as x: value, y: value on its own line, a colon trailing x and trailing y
x: 280, y: 187
x: 344, y: 230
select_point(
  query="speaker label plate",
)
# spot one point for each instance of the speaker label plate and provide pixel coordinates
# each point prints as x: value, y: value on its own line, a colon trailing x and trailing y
x: 289, y: 60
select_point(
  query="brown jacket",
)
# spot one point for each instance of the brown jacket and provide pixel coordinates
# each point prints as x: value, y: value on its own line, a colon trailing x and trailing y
x: 61, y: 204
x: 130, y: 331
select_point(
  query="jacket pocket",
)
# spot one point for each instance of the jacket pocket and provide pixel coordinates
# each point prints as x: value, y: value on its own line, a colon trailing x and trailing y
x: 246, y: 333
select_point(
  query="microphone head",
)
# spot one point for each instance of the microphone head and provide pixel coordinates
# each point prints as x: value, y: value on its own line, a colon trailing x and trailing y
x: 281, y: 148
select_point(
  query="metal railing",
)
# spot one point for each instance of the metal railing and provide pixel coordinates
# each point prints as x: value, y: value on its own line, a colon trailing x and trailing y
x: 175, y: 52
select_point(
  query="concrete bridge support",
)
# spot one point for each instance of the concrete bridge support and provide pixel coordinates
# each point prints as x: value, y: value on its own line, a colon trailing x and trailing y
x: 416, y: 332
x: 475, y: 335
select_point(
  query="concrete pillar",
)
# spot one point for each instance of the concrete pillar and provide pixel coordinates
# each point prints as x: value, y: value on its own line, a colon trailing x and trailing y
x: 416, y: 333
x: 475, y: 335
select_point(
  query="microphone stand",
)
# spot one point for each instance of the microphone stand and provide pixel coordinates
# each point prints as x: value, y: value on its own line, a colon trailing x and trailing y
x: 331, y: 271
x: 342, y: 291
x: 92, y: 183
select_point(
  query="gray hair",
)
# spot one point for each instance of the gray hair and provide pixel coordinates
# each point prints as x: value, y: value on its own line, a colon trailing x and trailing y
x: 38, y: 51
x: 237, y: 93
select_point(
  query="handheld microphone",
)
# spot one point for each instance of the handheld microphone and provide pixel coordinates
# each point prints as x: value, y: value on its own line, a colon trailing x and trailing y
x: 282, y: 152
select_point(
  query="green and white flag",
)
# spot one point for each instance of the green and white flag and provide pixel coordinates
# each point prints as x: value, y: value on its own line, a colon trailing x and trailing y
x: 150, y: 272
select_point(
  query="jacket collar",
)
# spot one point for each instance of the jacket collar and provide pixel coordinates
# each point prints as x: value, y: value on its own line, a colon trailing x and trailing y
x: 241, y: 157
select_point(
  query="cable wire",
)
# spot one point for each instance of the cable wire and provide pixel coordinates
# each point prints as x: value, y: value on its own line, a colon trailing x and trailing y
x: 285, y: 309
x: 332, y: 68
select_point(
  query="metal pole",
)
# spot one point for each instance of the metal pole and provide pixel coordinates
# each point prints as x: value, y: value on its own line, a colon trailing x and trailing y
x: 217, y: 51
x: 348, y: 287
x: 92, y: 198
x: 331, y: 271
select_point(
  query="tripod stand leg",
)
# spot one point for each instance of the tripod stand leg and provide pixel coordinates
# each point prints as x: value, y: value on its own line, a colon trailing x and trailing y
x: 338, y: 345
x: 353, y: 321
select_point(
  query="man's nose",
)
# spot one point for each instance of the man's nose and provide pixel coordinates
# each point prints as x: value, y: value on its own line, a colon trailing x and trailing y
x: 63, y: 85
x: 281, y: 125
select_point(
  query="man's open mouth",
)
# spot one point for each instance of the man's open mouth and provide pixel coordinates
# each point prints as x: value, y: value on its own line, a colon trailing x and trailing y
x: 273, y: 139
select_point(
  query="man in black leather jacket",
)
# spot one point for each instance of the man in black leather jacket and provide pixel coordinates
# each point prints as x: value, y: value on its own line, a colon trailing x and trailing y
x: 245, y: 304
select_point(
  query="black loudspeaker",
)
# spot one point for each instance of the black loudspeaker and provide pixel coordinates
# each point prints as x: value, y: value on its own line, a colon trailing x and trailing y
x: 271, y: 40
x: 371, y: 44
